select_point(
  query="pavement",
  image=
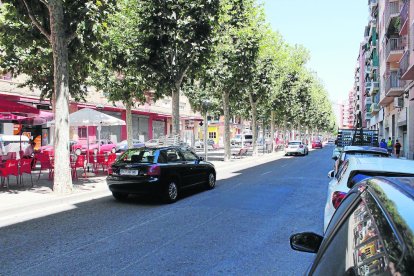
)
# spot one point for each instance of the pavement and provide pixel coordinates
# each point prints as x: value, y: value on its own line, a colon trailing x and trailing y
x: 22, y: 202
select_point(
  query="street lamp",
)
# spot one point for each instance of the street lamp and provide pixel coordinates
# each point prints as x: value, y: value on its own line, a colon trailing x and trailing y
x: 205, y: 106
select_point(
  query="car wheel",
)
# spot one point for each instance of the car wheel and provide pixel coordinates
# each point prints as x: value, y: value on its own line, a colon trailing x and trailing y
x: 120, y: 196
x: 78, y: 151
x: 211, y: 181
x: 171, y: 192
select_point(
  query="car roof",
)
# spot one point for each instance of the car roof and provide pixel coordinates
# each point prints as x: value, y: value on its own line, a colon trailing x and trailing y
x: 364, y: 149
x: 295, y: 141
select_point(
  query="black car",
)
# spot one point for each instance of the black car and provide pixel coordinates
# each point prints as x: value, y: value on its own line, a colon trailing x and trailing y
x: 371, y: 233
x: 163, y: 171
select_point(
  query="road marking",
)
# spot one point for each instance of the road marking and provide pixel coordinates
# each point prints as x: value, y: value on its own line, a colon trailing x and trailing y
x: 266, y: 172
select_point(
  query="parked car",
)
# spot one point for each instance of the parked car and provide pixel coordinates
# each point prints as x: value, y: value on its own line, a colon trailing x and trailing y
x: 123, y: 145
x: 50, y: 148
x: 163, y: 171
x: 154, y: 143
x: 317, y: 144
x: 296, y: 148
x: 360, y: 151
x: 357, y: 168
x: 371, y: 233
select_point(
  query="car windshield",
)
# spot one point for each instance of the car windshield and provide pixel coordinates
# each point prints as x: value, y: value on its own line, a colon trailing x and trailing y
x: 294, y: 143
x: 138, y: 156
x: 365, y: 154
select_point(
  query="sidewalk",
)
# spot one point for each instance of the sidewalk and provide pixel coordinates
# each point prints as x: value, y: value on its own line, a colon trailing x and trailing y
x: 20, y: 203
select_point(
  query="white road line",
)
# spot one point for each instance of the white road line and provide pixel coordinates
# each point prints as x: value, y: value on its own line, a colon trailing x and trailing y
x: 266, y: 172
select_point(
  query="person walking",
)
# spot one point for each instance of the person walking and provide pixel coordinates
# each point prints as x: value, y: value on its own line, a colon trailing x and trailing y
x: 390, y: 145
x: 397, y: 148
x: 383, y: 145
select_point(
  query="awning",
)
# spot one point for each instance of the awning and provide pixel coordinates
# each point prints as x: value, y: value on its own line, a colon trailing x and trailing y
x: 17, y: 108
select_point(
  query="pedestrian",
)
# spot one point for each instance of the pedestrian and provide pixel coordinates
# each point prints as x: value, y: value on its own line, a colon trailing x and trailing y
x: 397, y: 148
x: 29, y: 150
x: 383, y: 144
x: 390, y: 145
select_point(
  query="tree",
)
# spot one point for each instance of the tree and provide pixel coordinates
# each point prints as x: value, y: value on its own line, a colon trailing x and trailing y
x: 122, y: 74
x: 178, y: 38
x: 50, y: 31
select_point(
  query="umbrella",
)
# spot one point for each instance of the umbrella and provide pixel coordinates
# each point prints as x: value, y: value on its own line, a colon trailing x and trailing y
x: 90, y: 117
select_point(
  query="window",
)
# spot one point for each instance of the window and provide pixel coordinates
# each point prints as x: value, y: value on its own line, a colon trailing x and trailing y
x: 173, y: 156
x: 212, y: 135
x: 189, y: 156
x: 82, y: 132
x: 365, y: 243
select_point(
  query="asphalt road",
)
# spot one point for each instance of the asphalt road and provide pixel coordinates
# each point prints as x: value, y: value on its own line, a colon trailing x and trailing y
x: 242, y: 227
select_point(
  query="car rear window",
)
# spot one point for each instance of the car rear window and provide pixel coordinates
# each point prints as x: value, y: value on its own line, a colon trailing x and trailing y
x: 138, y: 156
x: 294, y: 143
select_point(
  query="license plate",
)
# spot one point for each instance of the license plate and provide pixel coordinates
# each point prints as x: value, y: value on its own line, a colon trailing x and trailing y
x: 128, y: 172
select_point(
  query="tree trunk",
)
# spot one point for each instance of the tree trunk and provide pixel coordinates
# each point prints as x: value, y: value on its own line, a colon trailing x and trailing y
x: 226, y: 108
x: 272, y: 129
x: 130, y: 132
x: 253, y: 105
x: 176, y: 110
x: 62, y: 173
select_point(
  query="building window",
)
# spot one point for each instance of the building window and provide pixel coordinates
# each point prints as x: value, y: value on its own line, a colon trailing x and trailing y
x: 212, y: 135
x: 82, y: 132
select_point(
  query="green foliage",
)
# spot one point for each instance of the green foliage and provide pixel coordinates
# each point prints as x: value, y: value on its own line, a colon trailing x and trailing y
x: 24, y: 50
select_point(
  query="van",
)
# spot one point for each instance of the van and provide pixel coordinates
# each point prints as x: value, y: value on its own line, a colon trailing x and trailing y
x: 242, y: 140
x: 11, y: 143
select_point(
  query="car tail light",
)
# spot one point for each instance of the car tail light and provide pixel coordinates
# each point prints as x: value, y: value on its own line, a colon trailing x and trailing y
x: 154, y: 170
x: 337, y: 198
x: 301, y: 146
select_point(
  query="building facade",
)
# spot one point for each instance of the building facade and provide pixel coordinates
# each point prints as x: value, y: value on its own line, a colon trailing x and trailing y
x: 149, y: 120
x: 386, y: 94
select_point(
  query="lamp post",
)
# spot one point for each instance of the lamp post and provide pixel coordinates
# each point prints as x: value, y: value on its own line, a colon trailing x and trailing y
x: 205, y: 105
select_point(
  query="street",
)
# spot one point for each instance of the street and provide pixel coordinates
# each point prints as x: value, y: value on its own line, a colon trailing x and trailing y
x: 242, y: 227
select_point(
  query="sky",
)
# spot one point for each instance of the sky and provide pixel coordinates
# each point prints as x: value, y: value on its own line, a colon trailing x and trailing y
x: 332, y: 32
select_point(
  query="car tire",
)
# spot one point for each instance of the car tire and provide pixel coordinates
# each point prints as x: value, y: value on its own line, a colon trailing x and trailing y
x: 211, y: 181
x: 120, y: 196
x: 171, y: 191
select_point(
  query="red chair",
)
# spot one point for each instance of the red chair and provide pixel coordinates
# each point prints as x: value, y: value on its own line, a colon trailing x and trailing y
x: 10, y: 168
x: 26, y: 167
x: 79, y: 163
x: 45, y: 164
x: 106, y: 163
x: 110, y: 161
x: 11, y: 156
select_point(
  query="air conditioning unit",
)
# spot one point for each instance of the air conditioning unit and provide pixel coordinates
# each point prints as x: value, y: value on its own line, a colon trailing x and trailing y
x: 399, y: 102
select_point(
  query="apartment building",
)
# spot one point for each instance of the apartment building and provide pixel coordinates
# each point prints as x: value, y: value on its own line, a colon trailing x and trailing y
x: 385, y: 90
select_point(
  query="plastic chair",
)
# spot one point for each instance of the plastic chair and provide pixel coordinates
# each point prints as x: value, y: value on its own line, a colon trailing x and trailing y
x: 45, y: 164
x: 79, y: 163
x: 26, y: 167
x: 10, y: 168
x: 100, y: 161
x: 108, y: 163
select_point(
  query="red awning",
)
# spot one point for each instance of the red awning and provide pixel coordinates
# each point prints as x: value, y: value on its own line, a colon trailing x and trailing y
x: 17, y: 108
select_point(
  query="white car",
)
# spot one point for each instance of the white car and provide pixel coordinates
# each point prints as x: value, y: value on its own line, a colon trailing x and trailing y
x: 356, y: 169
x: 296, y: 147
x: 154, y: 143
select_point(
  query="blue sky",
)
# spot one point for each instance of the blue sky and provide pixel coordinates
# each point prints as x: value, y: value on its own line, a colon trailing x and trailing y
x: 331, y: 30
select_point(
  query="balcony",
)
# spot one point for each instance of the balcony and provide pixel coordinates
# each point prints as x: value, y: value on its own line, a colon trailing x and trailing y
x: 368, y: 85
x: 394, y: 49
x: 394, y: 86
x: 374, y: 88
x: 375, y: 108
x: 404, y: 18
x: 368, y: 101
x: 406, y: 69
x: 391, y: 11
x: 368, y: 115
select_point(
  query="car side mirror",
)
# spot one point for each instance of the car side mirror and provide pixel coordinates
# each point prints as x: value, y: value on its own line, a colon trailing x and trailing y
x: 306, y: 242
x: 331, y: 174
